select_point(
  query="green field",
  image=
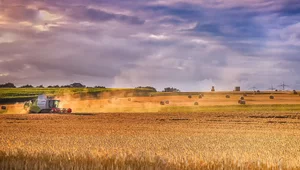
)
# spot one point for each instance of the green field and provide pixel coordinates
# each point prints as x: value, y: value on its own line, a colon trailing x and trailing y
x: 11, y: 95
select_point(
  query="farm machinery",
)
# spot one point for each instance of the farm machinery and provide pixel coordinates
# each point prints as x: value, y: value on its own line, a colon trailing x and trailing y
x: 44, y: 104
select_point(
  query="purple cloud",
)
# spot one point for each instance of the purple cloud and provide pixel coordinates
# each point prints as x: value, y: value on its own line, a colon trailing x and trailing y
x: 186, y: 44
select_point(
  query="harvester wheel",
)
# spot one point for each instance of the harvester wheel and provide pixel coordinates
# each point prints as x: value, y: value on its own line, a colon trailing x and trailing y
x: 64, y: 110
x: 69, y: 110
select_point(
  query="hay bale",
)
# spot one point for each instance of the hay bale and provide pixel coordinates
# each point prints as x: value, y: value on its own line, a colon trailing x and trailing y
x: 162, y: 103
x: 167, y: 102
x: 272, y: 97
x: 245, y: 95
x: 129, y: 99
x: 3, y: 107
x: 295, y: 92
x: 242, y: 98
x: 196, y: 103
x: 258, y: 91
x: 189, y: 96
x: 227, y: 96
x: 200, y: 96
x: 242, y: 101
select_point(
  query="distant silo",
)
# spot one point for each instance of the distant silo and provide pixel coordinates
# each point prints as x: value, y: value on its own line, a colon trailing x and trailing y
x: 213, y: 88
x: 237, y: 88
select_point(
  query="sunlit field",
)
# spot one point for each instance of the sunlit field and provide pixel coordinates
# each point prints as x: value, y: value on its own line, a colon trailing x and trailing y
x: 127, y: 101
x: 150, y: 141
x: 137, y: 132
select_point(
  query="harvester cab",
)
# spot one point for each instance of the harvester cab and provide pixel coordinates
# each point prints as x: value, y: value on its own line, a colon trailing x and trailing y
x: 44, y: 104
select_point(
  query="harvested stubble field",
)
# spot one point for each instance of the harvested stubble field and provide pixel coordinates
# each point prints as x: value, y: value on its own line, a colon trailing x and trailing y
x: 211, y: 102
x: 229, y: 140
x: 142, y: 134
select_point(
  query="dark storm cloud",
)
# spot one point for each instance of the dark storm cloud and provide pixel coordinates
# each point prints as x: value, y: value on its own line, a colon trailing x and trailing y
x: 290, y: 7
x: 94, y: 15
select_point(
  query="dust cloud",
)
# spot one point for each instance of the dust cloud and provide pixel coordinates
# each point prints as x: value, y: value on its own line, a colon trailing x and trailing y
x: 104, y: 102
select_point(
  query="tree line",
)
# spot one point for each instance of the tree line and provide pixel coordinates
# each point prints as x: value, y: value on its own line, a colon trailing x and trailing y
x: 167, y: 89
x: 73, y: 85
x: 79, y: 85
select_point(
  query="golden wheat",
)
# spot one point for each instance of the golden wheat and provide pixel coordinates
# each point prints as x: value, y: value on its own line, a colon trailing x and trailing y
x: 150, y: 141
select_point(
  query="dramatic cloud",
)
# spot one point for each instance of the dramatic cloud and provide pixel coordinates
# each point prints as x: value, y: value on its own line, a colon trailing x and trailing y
x: 191, y: 44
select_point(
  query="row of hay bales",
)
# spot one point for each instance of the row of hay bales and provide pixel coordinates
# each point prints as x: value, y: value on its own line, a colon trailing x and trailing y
x: 242, y: 99
x: 200, y: 96
x: 164, y: 102
x: 189, y: 96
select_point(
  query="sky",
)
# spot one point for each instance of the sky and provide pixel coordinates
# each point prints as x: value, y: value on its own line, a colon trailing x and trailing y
x: 188, y: 44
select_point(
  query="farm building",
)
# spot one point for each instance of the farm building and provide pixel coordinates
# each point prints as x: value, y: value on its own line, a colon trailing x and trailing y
x: 237, y: 88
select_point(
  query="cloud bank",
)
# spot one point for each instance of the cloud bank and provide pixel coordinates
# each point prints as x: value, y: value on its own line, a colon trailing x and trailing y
x: 190, y: 44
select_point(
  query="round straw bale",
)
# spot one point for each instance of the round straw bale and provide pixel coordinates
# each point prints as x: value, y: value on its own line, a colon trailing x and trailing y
x: 167, y: 102
x: 162, y: 103
x: 196, y: 103
x: 272, y: 97
x: 189, y: 96
x: 295, y: 92
x: 242, y: 102
x: 227, y: 96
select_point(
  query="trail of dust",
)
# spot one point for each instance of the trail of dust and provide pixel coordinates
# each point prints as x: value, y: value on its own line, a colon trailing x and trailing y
x: 125, y: 102
x: 15, y: 109
x: 116, y: 101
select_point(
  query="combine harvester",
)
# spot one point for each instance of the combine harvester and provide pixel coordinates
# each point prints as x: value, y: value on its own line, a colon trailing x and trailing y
x: 44, y: 104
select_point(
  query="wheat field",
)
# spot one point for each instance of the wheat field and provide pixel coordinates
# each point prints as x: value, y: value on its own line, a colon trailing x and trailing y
x: 228, y: 140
